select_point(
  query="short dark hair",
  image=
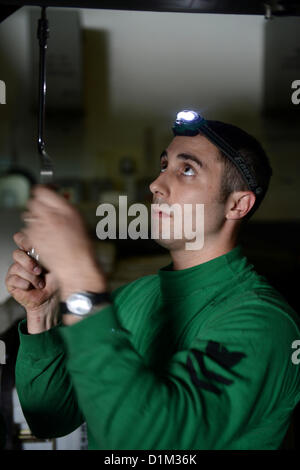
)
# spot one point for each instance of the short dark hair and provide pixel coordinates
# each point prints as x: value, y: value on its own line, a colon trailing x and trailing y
x: 254, y: 155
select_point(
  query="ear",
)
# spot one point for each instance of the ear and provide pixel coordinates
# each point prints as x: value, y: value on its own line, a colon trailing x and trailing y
x: 239, y: 204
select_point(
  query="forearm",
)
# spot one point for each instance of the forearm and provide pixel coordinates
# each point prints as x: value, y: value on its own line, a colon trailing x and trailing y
x: 43, y: 384
x: 43, y: 318
x: 90, y: 280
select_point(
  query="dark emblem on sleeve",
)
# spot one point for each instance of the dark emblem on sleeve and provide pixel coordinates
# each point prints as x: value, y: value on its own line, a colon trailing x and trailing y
x: 221, y: 356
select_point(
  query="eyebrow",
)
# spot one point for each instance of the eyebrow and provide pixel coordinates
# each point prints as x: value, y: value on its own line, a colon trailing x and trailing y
x: 186, y: 156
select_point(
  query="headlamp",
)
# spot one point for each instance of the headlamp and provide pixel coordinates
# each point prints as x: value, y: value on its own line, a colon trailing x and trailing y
x: 190, y: 123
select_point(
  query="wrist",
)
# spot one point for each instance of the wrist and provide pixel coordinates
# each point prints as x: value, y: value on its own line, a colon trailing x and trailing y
x: 42, y: 318
x: 69, y: 319
x: 92, y: 281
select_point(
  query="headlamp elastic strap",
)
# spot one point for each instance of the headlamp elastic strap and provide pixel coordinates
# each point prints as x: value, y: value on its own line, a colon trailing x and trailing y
x: 234, y: 156
x: 199, y: 124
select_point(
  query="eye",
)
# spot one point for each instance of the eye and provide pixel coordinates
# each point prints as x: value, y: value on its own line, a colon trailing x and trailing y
x: 163, y: 165
x: 188, y: 171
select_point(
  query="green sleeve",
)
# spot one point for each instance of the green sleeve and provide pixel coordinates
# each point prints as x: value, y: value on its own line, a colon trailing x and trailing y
x: 215, y: 394
x: 44, y: 387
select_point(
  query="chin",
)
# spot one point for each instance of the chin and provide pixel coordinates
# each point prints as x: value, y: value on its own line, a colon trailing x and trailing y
x: 171, y: 244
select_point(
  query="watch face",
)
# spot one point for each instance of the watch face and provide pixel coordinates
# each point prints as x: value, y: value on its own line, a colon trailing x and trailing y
x: 79, y: 304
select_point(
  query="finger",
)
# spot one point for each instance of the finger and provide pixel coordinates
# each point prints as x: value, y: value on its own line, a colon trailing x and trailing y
x: 37, y: 209
x: 15, y: 282
x: 50, y: 198
x: 28, y: 217
x: 37, y: 242
x: 28, y: 263
x: 22, y: 241
x: 18, y: 270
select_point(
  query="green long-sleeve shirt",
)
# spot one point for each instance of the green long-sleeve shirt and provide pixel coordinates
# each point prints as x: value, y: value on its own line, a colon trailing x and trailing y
x: 198, y: 358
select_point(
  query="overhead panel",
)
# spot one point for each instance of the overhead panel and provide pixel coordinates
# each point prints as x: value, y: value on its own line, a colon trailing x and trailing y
x: 249, y: 7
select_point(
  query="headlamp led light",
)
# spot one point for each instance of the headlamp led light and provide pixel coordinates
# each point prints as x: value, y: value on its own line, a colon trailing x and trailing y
x: 187, y: 123
x: 190, y: 123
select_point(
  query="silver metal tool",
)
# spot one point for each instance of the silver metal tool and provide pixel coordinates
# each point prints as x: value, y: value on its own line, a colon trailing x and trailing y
x: 33, y: 254
x: 46, y: 171
x: 46, y: 164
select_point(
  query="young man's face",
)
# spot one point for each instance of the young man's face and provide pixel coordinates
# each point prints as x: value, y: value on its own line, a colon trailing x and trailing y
x: 190, y: 174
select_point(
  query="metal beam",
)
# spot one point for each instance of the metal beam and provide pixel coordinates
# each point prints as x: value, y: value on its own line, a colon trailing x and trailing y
x: 237, y: 7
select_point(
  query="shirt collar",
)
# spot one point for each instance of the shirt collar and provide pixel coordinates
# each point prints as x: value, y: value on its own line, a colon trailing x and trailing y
x: 183, y: 282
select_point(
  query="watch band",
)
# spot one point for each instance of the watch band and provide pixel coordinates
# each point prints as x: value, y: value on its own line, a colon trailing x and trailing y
x: 97, y: 300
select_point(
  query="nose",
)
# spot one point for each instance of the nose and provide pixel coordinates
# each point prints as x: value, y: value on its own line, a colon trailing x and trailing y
x: 160, y: 187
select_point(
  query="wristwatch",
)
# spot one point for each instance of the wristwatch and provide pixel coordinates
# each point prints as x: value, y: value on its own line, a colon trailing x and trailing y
x: 84, y: 303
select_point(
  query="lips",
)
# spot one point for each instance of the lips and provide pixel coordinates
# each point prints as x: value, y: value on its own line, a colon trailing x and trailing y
x: 162, y: 214
x: 158, y: 212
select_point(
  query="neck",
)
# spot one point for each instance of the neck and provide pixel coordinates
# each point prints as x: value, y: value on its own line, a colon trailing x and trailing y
x: 183, y: 259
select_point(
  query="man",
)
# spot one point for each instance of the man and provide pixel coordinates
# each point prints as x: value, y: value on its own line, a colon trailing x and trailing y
x: 195, y: 357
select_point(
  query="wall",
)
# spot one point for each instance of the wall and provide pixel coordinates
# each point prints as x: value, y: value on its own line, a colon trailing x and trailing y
x: 139, y: 69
